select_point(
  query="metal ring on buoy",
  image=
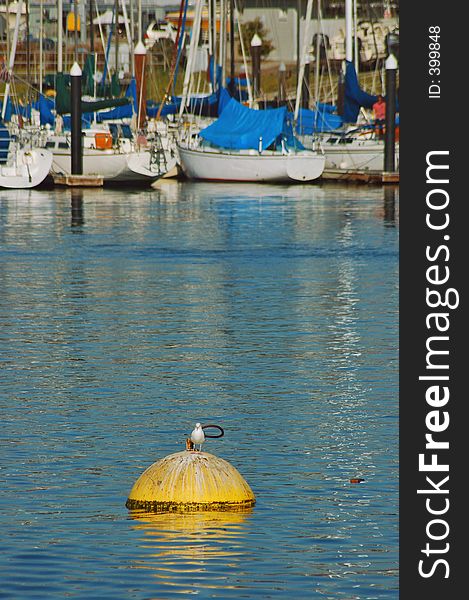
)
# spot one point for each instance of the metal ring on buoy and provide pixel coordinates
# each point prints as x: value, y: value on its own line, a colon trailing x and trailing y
x: 222, y: 432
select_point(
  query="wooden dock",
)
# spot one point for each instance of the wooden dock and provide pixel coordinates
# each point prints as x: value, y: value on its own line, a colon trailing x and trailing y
x: 357, y: 176
x: 78, y: 180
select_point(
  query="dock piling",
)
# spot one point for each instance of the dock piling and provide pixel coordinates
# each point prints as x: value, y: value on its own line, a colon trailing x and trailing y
x: 390, y: 134
x: 77, y: 144
x: 256, y: 44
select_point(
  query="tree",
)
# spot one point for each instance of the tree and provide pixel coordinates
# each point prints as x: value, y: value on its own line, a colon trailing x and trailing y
x: 249, y: 29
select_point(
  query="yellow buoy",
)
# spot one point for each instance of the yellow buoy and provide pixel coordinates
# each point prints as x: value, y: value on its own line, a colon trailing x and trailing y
x: 190, y: 480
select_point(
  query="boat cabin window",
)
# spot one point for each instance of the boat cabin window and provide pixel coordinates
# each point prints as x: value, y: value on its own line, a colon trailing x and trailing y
x: 50, y: 144
x: 63, y: 145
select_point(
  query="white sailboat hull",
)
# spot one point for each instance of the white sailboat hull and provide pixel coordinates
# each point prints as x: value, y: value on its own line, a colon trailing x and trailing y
x: 354, y: 155
x: 27, y: 169
x: 249, y: 165
x: 360, y: 156
x: 111, y: 165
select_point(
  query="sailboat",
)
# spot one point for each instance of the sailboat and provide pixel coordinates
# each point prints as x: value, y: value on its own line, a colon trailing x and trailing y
x: 349, y: 148
x: 245, y: 144
x: 113, y: 151
x: 22, y: 165
x: 113, y: 154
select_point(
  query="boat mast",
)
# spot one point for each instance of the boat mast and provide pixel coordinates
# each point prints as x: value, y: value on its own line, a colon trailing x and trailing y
x: 59, y: 36
x: 41, y: 34
x: 195, y: 33
x: 355, y: 37
x: 8, y: 26
x: 116, y: 39
x: 306, y: 42
x: 348, y: 30
x: 128, y: 33
x: 222, y: 43
x: 91, y: 28
x: 132, y: 36
x: 28, y: 54
x: 11, y: 62
x: 213, y: 15
x: 139, y: 16
x: 232, y: 50
x: 210, y: 41
x: 243, y: 52
x: 318, y: 54
x: 75, y: 28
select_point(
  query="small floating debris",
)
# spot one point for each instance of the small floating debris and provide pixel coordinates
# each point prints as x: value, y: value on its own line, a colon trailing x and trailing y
x: 191, y: 480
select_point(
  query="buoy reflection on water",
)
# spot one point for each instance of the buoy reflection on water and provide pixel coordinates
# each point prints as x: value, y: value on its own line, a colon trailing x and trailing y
x: 184, y: 549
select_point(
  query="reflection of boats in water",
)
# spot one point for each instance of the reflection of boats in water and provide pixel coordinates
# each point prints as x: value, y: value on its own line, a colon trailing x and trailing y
x: 199, y: 192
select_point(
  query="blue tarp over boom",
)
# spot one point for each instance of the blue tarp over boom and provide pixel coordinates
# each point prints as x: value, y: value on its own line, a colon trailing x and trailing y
x: 239, y: 127
x: 355, y: 97
x: 312, y: 121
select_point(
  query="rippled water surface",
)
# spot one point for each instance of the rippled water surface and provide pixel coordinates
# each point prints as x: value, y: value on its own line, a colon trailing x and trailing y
x: 126, y: 316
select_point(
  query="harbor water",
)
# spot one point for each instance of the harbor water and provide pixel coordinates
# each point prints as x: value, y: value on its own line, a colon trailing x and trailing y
x: 126, y: 316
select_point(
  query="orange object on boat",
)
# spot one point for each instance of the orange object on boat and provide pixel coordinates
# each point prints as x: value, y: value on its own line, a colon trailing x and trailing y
x: 103, y: 140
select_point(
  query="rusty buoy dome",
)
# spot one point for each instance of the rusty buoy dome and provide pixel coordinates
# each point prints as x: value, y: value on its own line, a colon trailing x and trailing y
x: 190, y: 480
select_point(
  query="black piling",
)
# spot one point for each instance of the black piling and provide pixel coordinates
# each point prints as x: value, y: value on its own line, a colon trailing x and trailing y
x: 256, y: 44
x: 76, y: 196
x: 77, y: 148
x: 341, y: 93
x: 389, y: 205
x: 390, y: 134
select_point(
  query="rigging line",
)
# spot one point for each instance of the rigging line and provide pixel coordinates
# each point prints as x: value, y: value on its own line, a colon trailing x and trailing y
x: 178, y: 44
x: 25, y: 82
x: 318, y: 57
x: 306, y: 38
x: 371, y: 17
x: 273, y: 22
x: 195, y: 35
x: 108, y: 48
x: 11, y: 61
x: 106, y: 68
x: 243, y: 52
x: 331, y: 84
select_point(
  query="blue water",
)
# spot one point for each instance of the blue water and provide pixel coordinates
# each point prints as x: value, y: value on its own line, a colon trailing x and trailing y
x: 126, y: 316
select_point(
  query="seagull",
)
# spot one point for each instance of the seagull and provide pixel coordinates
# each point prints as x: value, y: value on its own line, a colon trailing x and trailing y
x: 198, y: 436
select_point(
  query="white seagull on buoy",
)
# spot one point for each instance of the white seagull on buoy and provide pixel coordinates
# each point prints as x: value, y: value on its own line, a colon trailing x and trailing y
x: 198, y: 435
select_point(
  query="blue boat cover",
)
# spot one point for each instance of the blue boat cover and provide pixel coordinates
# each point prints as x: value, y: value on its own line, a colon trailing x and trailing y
x: 355, y: 97
x: 239, y: 127
x: 329, y: 108
x: 313, y: 121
